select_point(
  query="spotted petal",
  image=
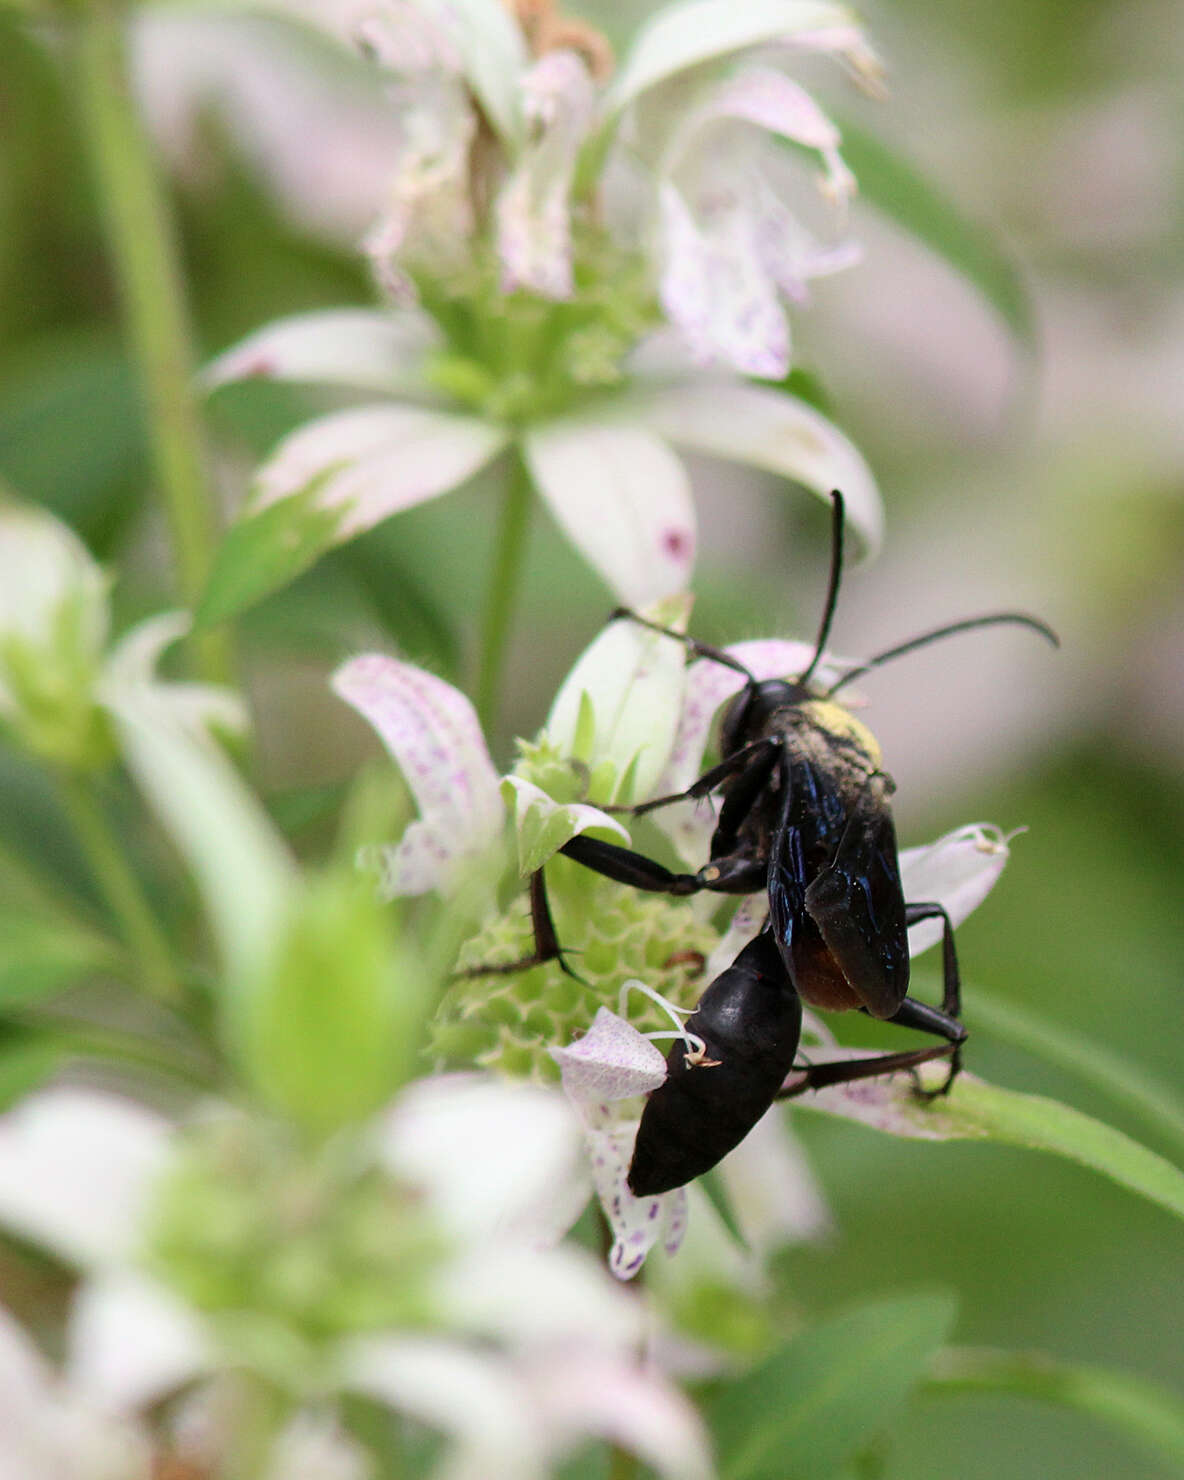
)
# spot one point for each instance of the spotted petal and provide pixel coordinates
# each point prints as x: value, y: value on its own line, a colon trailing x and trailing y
x: 380, y: 350
x: 622, y: 497
x: 773, y: 430
x: 612, y: 1061
x: 709, y: 684
x: 958, y: 871
x: 683, y: 36
x: 533, y: 209
x: 434, y: 736
x: 374, y: 461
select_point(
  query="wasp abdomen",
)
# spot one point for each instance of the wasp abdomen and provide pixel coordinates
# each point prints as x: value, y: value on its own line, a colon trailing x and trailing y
x: 750, y: 1025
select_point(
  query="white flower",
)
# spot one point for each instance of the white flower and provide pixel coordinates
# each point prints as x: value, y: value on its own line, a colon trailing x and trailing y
x: 516, y: 1326
x: 59, y: 675
x: 708, y: 111
x: 609, y: 732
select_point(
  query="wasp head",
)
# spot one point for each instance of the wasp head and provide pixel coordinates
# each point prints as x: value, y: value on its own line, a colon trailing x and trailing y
x: 750, y: 712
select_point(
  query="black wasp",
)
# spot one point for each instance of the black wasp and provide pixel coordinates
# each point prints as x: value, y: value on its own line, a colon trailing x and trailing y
x: 804, y: 817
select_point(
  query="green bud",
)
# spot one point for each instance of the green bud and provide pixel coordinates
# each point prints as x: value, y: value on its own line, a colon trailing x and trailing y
x: 332, y: 1026
x: 53, y: 631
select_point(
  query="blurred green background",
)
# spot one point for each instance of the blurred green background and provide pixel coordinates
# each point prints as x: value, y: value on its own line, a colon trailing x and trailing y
x: 1040, y: 469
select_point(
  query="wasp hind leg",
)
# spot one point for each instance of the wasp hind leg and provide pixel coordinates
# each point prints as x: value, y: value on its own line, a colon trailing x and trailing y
x: 942, y: 1022
x: 546, y: 941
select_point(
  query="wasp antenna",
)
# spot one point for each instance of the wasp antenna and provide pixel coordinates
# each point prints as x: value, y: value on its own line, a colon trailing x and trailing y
x: 968, y: 624
x: 700, y: 649
x: 837, y: 518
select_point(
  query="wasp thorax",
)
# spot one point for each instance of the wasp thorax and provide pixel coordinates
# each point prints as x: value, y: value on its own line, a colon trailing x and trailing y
x: 839, y: 727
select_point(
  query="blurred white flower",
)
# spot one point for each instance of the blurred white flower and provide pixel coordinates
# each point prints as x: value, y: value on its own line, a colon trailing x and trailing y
x: 507, y: 1327
x: 522, y: 319
x: 58, y: 672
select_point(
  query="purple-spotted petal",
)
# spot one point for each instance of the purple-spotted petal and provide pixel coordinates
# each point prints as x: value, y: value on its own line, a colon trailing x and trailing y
x: 374, y: 461
x: 533, y: 209
x: 637, y: 1223
x: 612, y: 1061
x: 623, y: 499
x: 772, y: 430
x: 958, y: 871
x: 382, y: 350
x: 887, y: 1102
x: 709, y: 684
x: 715, y: 287
x: 433, y: 734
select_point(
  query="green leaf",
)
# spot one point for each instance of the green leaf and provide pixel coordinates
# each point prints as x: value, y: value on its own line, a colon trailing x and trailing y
x: 827, y: 1392
x: 1125, y: 1081
x: 895, y: 186
x: 241, y: 865
x: 71, y: 434
x: 983, y: 1112
x: 44, y: 945
x: 1135, y: 1407
x: 266, y: 550
x: 331, y: 1027
x: 41, y: 956
x: 27, y: 1060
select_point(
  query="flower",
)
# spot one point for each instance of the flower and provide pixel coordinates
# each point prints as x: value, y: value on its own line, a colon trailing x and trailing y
x: 59, y: 673
x: 521, y: 317
x: 631, y: 722
x: 411, y: 1265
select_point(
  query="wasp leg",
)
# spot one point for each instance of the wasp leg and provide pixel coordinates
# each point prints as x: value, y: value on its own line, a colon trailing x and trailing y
x: 626, y: 867
x: 546, y: 941
x: 951, y: 1001
x: 707, y: 783
x: 736, y: 873
x: 819, y: 1076
x: 692, y: 644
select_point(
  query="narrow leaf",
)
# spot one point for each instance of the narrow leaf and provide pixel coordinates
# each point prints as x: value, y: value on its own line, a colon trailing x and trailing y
x: 266, y: 550
x: 983, y: 1112
x: 827, y: 1392
x: 897, y: 188
x: 1141, y: 1410
x: 27, y: 1060
x: 1123, y: 1080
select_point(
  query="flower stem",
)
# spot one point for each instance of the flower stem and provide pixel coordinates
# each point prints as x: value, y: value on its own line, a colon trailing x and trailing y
x: 505, y: 578
x: 121, y: 889
x: 144, y: 257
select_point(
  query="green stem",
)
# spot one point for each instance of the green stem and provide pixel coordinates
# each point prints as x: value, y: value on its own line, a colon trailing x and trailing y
x: 1142, y: 1410
x: 121, y: 889
x: 144, y: 257
x: 501, y: 596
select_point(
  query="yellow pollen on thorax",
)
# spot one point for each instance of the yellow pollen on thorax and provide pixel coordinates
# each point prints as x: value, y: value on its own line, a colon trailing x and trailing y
x: 840, y: 724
